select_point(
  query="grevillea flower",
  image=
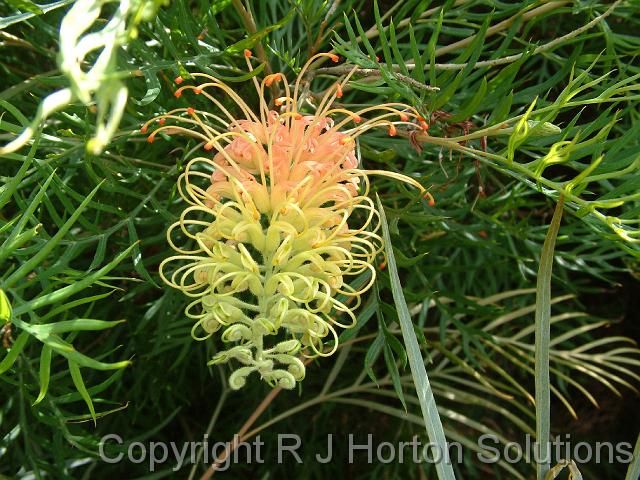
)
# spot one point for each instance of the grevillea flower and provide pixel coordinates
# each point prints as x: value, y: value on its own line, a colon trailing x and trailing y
x: 271, y: 221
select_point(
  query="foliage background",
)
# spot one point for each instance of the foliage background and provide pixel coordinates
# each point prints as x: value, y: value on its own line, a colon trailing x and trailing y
x: 84, y: 233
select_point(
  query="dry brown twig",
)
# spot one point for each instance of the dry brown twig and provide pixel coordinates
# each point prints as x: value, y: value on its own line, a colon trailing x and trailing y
x: 242, y: 433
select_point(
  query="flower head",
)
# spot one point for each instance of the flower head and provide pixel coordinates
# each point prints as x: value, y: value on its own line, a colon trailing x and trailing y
x: 271, y: 219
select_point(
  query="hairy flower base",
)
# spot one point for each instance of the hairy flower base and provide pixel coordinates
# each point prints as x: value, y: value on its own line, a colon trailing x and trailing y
x: 271, y: 218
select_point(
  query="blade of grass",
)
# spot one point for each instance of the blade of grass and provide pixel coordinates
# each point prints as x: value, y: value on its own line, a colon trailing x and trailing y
x: 542, y: 339
x: 432, y: 421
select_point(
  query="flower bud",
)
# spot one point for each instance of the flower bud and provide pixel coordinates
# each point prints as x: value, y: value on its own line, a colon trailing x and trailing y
x: 263, y: 326
x: 210, y: 323
x: 272, y: 242
x: 238, y: 379
x: 282, y: 379
x: 236, y: 332
x: 289, y: 347
x: 283, y: 252
x: 247, y: 261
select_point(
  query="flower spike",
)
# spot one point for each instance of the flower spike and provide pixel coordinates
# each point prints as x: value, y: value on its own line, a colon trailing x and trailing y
x: 271, y: 222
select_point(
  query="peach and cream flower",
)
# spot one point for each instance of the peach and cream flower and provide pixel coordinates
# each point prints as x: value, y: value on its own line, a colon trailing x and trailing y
x: 271, y: 222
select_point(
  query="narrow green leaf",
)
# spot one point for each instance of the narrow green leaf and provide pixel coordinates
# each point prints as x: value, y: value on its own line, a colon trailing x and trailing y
x: 69, y: 305
x: 387, y: 74
x: 88, y: 362
x: 10, y: 187
x: 397, y: 346
x: 76, y: 325
x: 372, y: 355
x: 153, y: 89
x: 86, y: 418
x: 418, y: 70
x: 65, y: 348
x: 432, y: 421
x: 403, y: 261
x: 45, y: 372
x: 138, y: 263
x: 431, y: 47
x: 542, y: 339
x: 96, y: 389
x: 65, y: 292
x: 365, y: 41
x: 15, y: 112
x: 82, y: 389
x: 26, y: 215
x: 633, y: 472
x: 445, y: 94
x: 244, y: 77
x: 5, y: 22
x: 30, y: 264
x: 6, y: 311
x: 252, y: 40
x: 392, y: 367
x: 26, y: 6
x: 101, y: 249
x: 350, y: 32
x: 501, y: 109
x: 470, y: 107
x: 55, y: 342
x: 396, y: 52
x: 218, y: 5
x: 363, y: 317
x: 382, y: 35
x: 6, y: 249
x: 16, y: 348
